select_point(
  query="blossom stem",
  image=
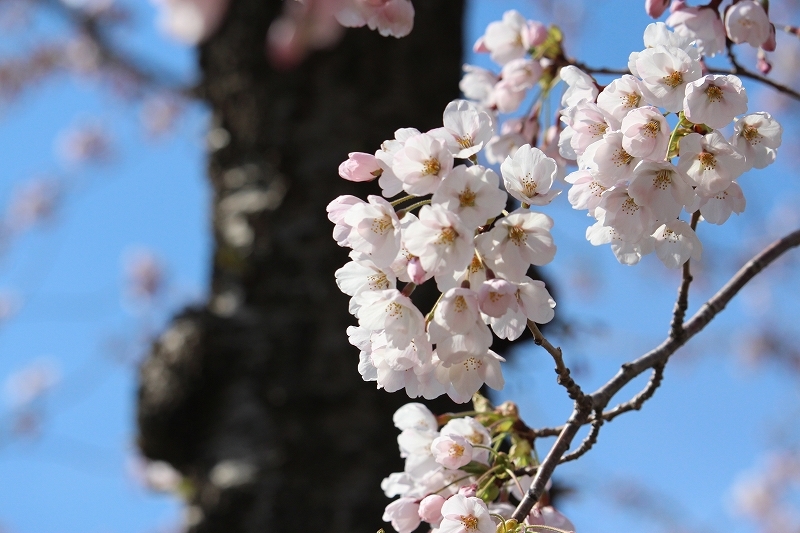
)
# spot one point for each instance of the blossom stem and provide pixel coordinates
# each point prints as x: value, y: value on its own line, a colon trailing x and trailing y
x: 401, y: 200
x: 413, y: 206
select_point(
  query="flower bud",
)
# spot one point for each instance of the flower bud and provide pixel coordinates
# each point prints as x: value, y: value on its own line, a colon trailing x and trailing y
x: 430, y: 508
x: 655, y: 8
x: 360, y: 167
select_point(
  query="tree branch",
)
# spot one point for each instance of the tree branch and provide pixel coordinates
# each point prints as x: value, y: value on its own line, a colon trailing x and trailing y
x: 682, y: 304
x: 653, y: 359
x: 589, y: 441
x: 564, y: 378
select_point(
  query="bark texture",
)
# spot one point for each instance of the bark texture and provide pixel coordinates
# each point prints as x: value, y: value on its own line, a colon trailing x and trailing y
x: 255, y: 398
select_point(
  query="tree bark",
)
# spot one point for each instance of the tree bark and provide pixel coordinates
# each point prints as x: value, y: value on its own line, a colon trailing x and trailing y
x: 255, y: 398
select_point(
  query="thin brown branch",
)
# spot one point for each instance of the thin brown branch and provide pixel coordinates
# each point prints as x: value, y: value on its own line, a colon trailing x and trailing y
x: 656, y: 357
x: 564, y: 378
x: 682, y: 303
x: 589, y: 441
x: 739, y: 70
x: 635, y: 403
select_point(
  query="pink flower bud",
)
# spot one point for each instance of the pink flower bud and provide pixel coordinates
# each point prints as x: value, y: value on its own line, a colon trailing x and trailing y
x: 415, y: 271
x: 360, y: 167
x: 763, y: 65
x: 655, y: 8
x: 430, y: 508
x: 497, y: 296
x: 480, y: 46
x: 468, y: 491
x: 534, y: 34
x: 770, y: 44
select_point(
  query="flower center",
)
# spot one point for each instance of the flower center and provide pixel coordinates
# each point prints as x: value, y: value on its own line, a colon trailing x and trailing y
x: 456, y: 450
x: 674, y: 79
x: 378, y: 281
x: 751, y: 135
x: 465, y: 141
x: 470, y: 522
x: 381, y: 225
x: 663, y: 179
x: 629, y: 207
x: 460, y: 304
x: 707, y: 161
x: 631, y: 101
x: 517, y: 235
x: 447, y: 236
x: 431, y: 166
x: 467, y: 197
x: 651, y: 129
x: 529, y: 187
x: 621, y: 158
x: 714, y: 94
x: 598, y: 129
x: 473, y: 364
x: 394, y: 309
x: 597, y: 189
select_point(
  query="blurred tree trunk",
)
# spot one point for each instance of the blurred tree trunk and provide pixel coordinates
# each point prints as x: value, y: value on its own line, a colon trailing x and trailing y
x: 255, y: 398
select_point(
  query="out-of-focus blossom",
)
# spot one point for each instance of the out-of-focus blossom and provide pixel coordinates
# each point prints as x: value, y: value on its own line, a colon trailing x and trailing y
x: 88, y: 143
x: 145, y: 274
x: 160, y: 112
x: 191, y: 21
x: 31, y: 382
x: 33, y: 202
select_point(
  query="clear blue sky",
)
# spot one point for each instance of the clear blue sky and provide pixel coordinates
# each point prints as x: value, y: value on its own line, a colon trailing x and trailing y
x: 709, y: 421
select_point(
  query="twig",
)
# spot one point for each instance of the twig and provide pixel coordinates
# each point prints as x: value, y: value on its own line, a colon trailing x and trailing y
x: 564, y: 378
x: 580, y: 414
x: 682, y: 303
x: 589, y: 441
x: 635, y: 403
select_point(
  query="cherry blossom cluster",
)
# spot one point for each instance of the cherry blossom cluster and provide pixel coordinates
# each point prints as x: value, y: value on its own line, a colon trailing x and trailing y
x: 462, y: 239
x: 625, y: 148
x: 457, y: 479
x: 743, y: 21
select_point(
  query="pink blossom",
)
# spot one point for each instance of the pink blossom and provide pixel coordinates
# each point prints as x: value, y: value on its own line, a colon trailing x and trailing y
x: 451, y: 451
x: 430, y: 508
x: 360, y: 167
x: 465, y: 515
x: 655, y: 8
x: 715, y: 100
x: 701, y: 24
x: 403, y: 513
x: 747, y: 22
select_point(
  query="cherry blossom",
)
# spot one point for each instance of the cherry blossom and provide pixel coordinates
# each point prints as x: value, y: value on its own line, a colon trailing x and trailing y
x: 621, y: 96
x: 375, y: 230
x: 464, y: 379
x: 451, y: 451
x: 360, y: 167
x: 717, y: 209
x: 441, y: 241
x: 430, y: 508
x: 473, y: 193
x: 714, y: 100
x: 528, y: 176
x: 747, y: 22
x: 676, y: 243
x: 422, y: 163
x: 700, y: 24
x: 517, y: 241
x: 389, y: 17
x: 466, y: 128
x: 665, y: 71
x: 757, y: 137
x: 403, y: 513
x: 662, y: 188
x: 465, y: 515
x: 391, y: 311
x: 645, y: 133
x: 710, y: 162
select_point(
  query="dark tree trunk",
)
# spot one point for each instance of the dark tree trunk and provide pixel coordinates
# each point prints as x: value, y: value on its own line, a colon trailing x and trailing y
x: 256, y: 398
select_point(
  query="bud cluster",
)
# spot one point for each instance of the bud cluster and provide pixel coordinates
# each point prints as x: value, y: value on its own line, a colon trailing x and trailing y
x: 462, y: 472
x: 462, y: 238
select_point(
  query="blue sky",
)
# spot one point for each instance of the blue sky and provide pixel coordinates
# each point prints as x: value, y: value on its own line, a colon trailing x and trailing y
x: 711, y: 419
